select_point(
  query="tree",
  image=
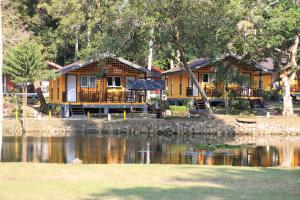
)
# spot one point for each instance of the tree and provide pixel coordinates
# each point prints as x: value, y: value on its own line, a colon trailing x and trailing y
x: 1, y: 81
x: 25, y: 63
x: 227, y: 74
x: 272, y: 29
x: 180, y: 31
x: 13, y: 25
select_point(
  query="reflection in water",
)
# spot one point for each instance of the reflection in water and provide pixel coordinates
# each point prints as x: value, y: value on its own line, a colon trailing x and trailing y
x: 0, y: 147
x: 92, y: 149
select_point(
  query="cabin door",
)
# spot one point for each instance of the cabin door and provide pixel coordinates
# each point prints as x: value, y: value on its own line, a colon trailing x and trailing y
x: 71, y: 88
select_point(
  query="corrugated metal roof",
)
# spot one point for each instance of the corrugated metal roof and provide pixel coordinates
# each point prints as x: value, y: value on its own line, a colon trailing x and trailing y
x: 202, y: 62
x: 54, y: 65
x: 194, y: 64
x: 146, y: 85
x: 80, y: 64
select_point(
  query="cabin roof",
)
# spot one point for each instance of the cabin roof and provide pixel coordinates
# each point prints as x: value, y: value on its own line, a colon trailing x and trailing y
x: 80, y: 64
x: 156, y: 69
x: 54, y: 65
x: 205, y: 61
x: 146, y: 85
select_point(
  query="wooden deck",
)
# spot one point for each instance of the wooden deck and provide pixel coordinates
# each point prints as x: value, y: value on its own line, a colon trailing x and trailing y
x: 135, y: 97
x: 218, y: 92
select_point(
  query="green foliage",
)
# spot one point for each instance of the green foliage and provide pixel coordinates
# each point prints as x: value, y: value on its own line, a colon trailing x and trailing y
x: 266, y: 27
x: 122, y: 27
x: 229, y: 74
x: 271, y: 95
x: 12, y: 24
x: 188, y: 103
x: 179, y: 110
x: 25, y: 63
x: 13, y: 103
x: 241, y: 105
x: 153, y: 100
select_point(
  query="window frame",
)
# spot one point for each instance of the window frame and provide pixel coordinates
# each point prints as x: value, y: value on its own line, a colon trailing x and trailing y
x: 172, y: 84
x: 180, y: 84
x: 58, y: 89
x: 114, y: 82
x: 88, y: 81
x: 208, y: 78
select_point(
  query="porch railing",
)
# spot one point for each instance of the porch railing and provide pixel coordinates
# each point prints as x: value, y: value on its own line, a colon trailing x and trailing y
x: 239, y: 92
x: 113, y: 97
x: 218, y: 92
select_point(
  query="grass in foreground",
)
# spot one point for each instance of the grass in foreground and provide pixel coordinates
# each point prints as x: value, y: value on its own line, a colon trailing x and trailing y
x: 58, y: 181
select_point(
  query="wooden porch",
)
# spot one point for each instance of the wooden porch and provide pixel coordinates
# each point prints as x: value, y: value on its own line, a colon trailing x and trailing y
x: 108, y: 97
x: 218, y: 92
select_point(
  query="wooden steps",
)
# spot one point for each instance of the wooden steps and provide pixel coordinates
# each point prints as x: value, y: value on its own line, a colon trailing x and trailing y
x: 76, y: 110
x: 256, y: 103
x: 199, y: 103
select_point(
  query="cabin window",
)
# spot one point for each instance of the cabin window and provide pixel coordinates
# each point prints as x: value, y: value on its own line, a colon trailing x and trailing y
x: 58, y: 89
x: 172, y: 85
x: 208, y: 78
x: 205, y: 78
x: 92, y: 81
x: 51, y: 91
x: 88, y: 81
x: 180, y: 84
x: 114, y: 81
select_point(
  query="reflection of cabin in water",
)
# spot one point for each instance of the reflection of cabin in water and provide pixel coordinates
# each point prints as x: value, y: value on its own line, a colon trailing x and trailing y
x: 120, y: 150
x: 97, y: 85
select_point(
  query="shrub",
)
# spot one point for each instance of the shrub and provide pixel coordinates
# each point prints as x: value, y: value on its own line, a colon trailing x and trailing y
x: 188, y: 103
x: 179, y: 110
x: 241, y: 105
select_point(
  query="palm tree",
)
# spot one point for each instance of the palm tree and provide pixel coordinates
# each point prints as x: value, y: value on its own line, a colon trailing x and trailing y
x: 227, y: 74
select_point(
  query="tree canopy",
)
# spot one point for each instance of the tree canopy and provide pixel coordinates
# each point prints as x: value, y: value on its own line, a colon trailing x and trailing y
x: 25, y: 62
x: 179, y: 30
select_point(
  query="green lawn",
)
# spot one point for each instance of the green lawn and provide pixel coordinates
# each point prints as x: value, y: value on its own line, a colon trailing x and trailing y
x: 58, y: 181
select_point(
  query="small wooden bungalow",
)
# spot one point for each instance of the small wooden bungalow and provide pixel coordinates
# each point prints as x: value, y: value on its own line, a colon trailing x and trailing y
x: 98, y: 85
x: 180, y: 87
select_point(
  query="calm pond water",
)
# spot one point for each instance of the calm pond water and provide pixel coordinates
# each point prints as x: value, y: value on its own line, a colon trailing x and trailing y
x: 93, y: 149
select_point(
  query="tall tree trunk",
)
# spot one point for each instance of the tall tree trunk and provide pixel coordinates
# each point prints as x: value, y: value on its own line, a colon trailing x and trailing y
x: 298, y: 78
x: 226, y: 101
x: 89, y: 32
x: 1, y: 81
x: 150, y: 54
x: 287, y: 76
x: 172, y: 64
x: 183, y: 63
x: 286, y: 93
x: 38, y: 90
x: 195, y: 81
x: 24, y: 149
x: 180, y: 55
x: 24, y: 108
x: 76, y: 45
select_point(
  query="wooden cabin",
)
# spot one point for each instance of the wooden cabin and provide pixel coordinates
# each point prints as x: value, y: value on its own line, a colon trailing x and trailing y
x: 180, y: 87
x: 98, y: 86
